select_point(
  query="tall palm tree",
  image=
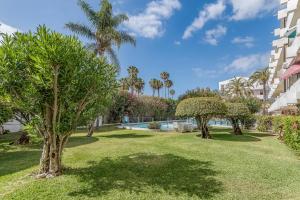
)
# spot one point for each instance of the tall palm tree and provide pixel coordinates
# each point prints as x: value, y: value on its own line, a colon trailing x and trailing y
x: 172, y: 93
x: 159, y: 84
x: 132, y: 77
x: 152, y: 84
x: 124, y: 84
x: 168, y: 84
x: 103, y: 30
x: 165, y: 76
x: 262, y: 76
x: 237, y: 87
x: 139, y: 85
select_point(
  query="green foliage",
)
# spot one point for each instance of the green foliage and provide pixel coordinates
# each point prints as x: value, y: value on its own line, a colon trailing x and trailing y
x: 278, y: 124
x: 264, y: 123
x: 292, y: 132
x: 154, y: 125
x: 254, y: 104
x: 237, y: 113
x: 201, y: 106
x: 203, y: 109
x: 6, y: 113
x: 55, y: 79
x: 199, y: 92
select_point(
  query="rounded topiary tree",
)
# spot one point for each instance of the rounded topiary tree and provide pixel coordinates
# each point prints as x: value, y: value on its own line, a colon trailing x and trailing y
x: 203, y: 109
x: 236, y: 112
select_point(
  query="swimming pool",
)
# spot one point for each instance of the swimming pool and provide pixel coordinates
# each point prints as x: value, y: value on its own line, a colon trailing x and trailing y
x: 168, y: 125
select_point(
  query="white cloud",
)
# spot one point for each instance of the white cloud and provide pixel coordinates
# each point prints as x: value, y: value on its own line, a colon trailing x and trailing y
x: 149, y: 23
x: 206, y: 73
x: 247, y: 41
x: 177, y: 43
x: 4, y: 28
x: 209, y: 12
x: 212, y: 36
x: 247, y: 9
x: 247, y: 64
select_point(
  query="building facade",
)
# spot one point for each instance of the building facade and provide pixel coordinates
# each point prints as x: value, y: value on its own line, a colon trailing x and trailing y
x: 284, y: 62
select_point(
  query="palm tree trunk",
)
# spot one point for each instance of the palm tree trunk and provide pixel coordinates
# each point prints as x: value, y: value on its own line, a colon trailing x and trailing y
x: 265, y: 98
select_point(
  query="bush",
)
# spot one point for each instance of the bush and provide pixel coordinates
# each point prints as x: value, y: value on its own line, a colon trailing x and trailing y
x: 292, y: 132
x: 278, y: 125
x: 154, y: 125
x: 264, y: 123
x: 203, y: 109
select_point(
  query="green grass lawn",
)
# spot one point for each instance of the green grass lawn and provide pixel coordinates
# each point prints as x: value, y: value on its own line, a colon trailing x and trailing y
x: 125, y: 164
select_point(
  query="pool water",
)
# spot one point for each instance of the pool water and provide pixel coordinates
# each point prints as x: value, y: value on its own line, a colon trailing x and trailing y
x: 168, y: 126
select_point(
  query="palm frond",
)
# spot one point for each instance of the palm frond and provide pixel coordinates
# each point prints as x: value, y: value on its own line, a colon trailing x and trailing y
x: 89, y: 12
x: 92, y: 47
x: 119, y: 19
x: 81, y: 30
x: 113, y: 57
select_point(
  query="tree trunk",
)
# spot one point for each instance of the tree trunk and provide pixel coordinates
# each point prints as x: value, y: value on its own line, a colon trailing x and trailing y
x: 45, y: 159
x: 91, y: 129
x: 202, y: 126
x: 51, y: 159
x: 236, y: 127
x: 265, y: 99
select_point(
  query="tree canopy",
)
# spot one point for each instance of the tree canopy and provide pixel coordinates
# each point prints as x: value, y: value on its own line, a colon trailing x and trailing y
x: 55, y: 79
x: 236, y: 112
x: 203, y: 109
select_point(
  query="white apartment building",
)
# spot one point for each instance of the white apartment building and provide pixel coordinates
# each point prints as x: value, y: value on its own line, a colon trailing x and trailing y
x: 284, y: 62
x: 257, y: 88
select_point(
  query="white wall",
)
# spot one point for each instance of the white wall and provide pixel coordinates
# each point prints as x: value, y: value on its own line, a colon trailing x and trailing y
x: 13, y: 126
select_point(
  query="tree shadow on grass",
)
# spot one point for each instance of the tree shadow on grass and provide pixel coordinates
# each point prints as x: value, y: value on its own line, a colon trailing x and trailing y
x: 128, y: 135
x: 235, y: 138
x: 260, y: 134
x: 11, y: 162
x: 136, y: 173
x: 80, y: 140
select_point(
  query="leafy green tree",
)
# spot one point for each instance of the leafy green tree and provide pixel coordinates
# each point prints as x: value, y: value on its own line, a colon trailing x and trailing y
x: 236, y: 113
x: 165, y: 76
x: 202, y: 109
x: 199, y: 92
x: 172, y: 93
x: 103, y: 29
x: 55, y: 79
x: 262, y: 77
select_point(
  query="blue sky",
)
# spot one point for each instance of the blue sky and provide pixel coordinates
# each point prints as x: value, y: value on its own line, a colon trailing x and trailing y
x: 199, y: 42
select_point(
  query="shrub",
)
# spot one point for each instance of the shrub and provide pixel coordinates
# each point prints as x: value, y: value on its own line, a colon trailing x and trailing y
x: 292, y: 132
x: 154, y: 125
x: 278, y: 125
x: 236, y: 112
x: 203, y: 109
x: 264, y: 123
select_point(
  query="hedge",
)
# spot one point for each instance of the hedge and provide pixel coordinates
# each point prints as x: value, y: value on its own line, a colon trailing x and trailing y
x: 287, y: 127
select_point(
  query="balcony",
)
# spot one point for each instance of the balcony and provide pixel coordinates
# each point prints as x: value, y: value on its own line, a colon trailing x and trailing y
x: 292, y: 5
x: 280, y: 42
x: 290, y: 97
x: 282, y: 13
